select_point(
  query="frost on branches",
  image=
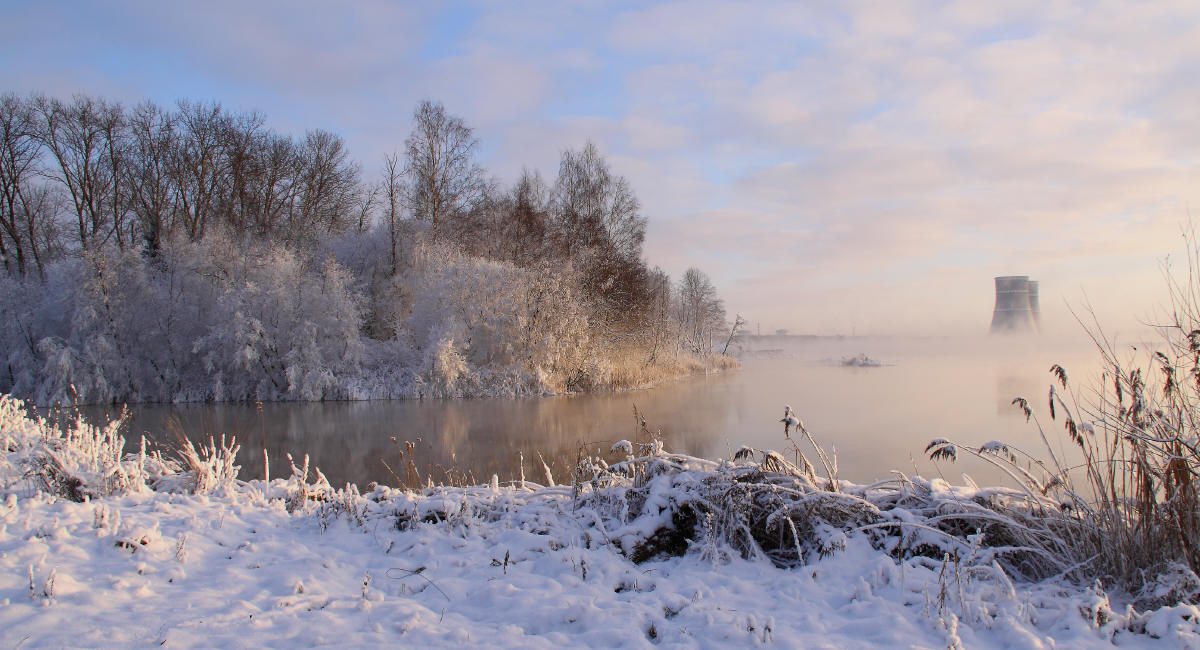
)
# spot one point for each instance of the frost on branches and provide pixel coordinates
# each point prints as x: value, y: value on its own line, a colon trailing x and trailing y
x: 190, y: 254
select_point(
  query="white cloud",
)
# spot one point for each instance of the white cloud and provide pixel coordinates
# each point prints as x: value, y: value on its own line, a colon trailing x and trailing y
x: 875, y: 162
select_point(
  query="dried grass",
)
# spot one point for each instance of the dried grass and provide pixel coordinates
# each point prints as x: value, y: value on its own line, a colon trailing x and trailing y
x: 631, y: 367
x: 1122, y: 494
x: 211, y: 466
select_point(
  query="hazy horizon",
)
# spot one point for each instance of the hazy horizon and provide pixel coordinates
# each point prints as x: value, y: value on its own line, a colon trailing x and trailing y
x: 860, y: 170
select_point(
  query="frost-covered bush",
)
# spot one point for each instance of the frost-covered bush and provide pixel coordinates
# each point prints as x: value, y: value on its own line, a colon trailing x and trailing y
x: 78, y: 460
x: 280, y: 330
x: 1121, y: 493
x: 660, y: 504
x: 204, y: 469
x: 32, y: 311
x: 208, y: 320
x: 94, y: 332
x: 368, y: 255
x: 478, y: 325
x: 1119, y: 482
x: 224, y: 319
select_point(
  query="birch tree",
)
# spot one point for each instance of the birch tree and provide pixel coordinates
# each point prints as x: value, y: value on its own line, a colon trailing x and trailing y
x: 444, y: 179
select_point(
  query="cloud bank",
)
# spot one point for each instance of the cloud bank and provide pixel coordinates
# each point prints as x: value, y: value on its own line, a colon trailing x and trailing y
x: 862, y: 169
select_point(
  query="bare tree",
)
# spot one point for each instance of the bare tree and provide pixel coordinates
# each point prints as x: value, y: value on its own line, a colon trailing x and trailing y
x: 114, y: 163
x: 276, y: 186
x: 593, y: 208
x: 738, y: 322
x: 19, y: 201
x: 242, y: 139
x: 199, y: 164
x: 327, y: 183
x: 701, y: 313
x: 444, y: 179
x: 393, y: 195
x: 597, y: 221
x: 658, y: 312
x: 82, y: 140
x: 364, y: 207
x: 153, y: 136
x: 527, y: 222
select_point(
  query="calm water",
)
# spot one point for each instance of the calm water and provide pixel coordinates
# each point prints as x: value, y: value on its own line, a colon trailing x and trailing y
x: 876, y: 419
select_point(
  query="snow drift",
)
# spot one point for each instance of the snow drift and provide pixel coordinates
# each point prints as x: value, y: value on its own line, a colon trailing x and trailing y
x: 657, y: 548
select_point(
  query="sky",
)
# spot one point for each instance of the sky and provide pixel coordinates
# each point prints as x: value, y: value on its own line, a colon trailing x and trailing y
x: 858, y: 168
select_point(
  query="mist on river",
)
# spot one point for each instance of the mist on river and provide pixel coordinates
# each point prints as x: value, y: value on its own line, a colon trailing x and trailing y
x: 875, y: 419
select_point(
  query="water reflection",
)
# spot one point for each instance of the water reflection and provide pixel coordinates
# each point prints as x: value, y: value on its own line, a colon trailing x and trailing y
x: 876, y: 419
x: 352, y: 441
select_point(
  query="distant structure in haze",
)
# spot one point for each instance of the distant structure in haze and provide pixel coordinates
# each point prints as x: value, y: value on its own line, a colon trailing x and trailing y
x: 1017, y: 308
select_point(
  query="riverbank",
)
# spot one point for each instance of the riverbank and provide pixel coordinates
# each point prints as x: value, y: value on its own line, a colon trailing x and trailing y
x: 631, y: 371
x: 156, y: 552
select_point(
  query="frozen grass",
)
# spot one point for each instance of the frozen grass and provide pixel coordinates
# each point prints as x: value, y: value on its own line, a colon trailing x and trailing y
x: 1117, y: 475
x: 67, y: 457
x: 758, y: 505
x: 1117, y: 481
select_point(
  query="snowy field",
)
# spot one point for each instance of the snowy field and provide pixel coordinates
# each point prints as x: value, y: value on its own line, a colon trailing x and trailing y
x: 170, y: 555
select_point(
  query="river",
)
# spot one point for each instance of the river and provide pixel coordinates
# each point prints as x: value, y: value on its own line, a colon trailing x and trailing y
x: 875, y: 419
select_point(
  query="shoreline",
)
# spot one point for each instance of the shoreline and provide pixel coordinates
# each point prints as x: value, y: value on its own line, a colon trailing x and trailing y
x: 729, y: 363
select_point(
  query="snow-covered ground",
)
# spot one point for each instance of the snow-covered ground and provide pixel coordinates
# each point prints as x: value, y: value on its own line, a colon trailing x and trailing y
x: 155, y: 558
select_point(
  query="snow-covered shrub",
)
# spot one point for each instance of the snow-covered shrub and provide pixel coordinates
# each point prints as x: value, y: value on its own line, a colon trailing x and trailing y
x: 77, y: 338
x: 73, y: 459
x: 1118, y: 503
x: 376, y: 270
x: 78, y: 460
x: 32, y: 311
x: 280, y: 330
x: 202, y: 320
x: 225, y: 319
x: 659, y: 504
x: 1121, y: 484
x: 483, y: 326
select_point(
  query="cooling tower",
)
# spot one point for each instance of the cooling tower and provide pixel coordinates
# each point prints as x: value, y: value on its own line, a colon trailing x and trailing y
x: 1034, y: 306
x: 1014, y: 309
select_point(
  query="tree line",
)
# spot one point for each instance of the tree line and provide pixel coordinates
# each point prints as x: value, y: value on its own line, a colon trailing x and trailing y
x: 91, y: 189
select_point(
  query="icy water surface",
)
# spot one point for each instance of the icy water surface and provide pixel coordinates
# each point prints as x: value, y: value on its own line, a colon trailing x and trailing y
x: 877, y: 419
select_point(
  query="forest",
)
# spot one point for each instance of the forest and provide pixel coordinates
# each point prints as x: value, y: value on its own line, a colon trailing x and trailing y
x: 192, y: 253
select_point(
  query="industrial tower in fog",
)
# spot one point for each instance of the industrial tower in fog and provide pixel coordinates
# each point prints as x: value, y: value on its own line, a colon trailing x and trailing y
x: 1016, y: 305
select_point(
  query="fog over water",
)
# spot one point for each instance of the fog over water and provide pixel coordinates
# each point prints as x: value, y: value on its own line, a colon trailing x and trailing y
x: 876, y: 419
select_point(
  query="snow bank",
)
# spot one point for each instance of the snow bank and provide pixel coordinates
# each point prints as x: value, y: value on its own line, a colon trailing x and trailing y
x: 166, y: 560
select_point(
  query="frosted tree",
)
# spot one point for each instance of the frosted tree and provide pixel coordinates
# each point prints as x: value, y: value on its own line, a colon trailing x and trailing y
x: 444, y: 180
x: 700, y: 312
x: 597, y: 223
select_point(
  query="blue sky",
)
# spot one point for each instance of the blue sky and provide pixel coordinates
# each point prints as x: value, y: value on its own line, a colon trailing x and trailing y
x: 868, y: 166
